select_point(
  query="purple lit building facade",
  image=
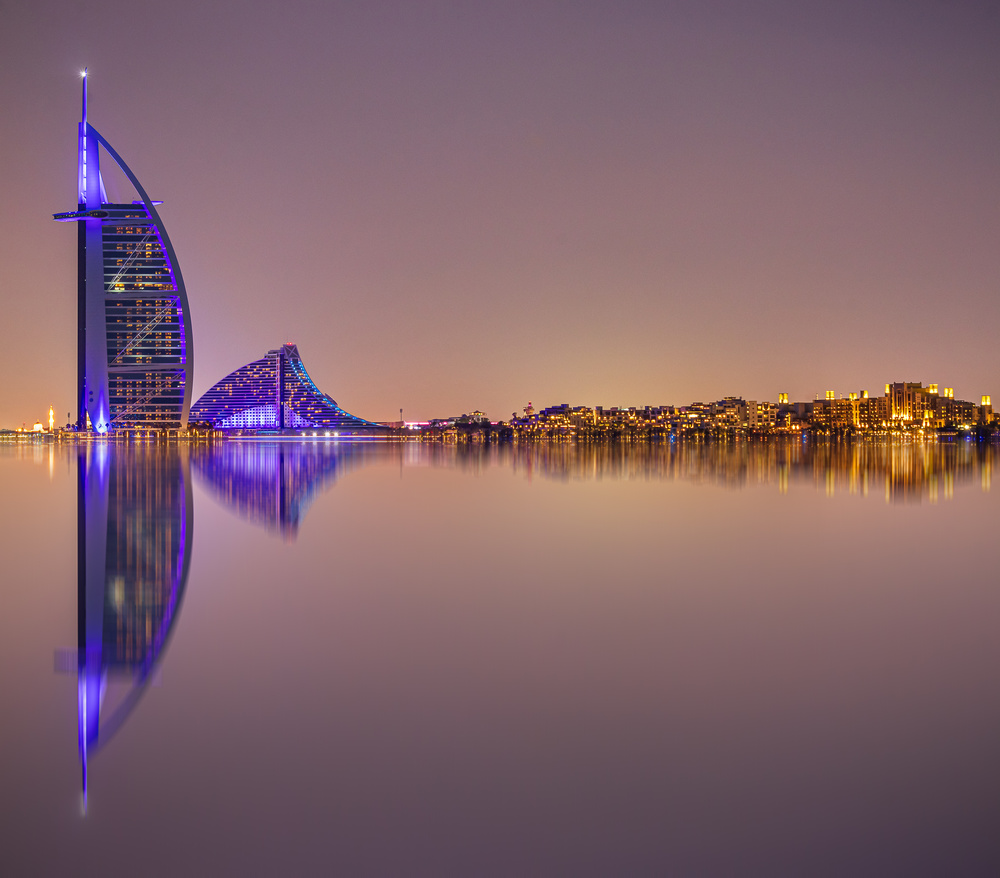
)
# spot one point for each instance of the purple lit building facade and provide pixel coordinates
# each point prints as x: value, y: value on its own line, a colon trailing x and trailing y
x: 135, y: 347
x: 275, y: 393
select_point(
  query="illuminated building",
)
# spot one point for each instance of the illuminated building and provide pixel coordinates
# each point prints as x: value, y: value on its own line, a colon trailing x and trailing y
x: 821, y: 415
x: 274, y: 393
x: 951, y: 412
x: 986, y: 410
x: 912, y: 404
x: 906, y: 407
x: 135, y: 353
x: 729, y: 412
x: 761, y: 415
x: 873, y: 412
x: 909, y: 402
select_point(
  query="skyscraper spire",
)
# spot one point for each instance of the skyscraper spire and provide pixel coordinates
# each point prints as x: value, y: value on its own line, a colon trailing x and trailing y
x: 128, y: 284
x: 83, y: 156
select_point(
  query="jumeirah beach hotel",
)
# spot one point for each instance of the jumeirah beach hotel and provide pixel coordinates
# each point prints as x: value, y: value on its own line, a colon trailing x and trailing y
x: 275, y: 393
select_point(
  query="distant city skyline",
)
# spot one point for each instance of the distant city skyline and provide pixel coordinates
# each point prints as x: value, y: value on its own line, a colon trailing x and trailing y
x: 452, y: 208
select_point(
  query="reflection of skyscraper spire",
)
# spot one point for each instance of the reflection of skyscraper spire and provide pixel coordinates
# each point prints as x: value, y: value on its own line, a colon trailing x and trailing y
x: 134, y: 550
x: 92, y: 536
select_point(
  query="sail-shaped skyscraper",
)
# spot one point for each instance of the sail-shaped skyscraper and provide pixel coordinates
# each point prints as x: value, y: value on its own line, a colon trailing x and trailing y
x: 135, y: 349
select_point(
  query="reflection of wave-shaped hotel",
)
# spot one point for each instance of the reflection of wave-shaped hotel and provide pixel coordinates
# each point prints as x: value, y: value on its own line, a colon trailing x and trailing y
x: 272, y: 484
x: 275, y: 393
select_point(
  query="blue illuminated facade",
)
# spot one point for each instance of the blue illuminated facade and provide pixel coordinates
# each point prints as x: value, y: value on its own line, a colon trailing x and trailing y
x: 273, y: 484
x: 275, y: 393
x: 134, y: 522
x: 135, y: 348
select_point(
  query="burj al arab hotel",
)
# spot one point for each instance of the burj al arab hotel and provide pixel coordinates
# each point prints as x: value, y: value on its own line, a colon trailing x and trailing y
x: 135, y: 349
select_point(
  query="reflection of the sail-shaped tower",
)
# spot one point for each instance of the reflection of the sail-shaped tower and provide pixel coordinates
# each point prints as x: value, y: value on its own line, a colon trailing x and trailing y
x: 272, y: 484
x: 134, y: 531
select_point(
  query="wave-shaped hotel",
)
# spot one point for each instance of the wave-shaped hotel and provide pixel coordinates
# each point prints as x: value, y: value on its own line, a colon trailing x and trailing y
x: 275, y: 393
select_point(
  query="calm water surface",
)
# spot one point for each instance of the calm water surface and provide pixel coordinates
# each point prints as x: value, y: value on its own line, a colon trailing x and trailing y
x: 336, y: 659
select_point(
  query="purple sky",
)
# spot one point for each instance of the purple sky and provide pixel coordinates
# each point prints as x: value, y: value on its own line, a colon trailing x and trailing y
x: 451, y: 206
